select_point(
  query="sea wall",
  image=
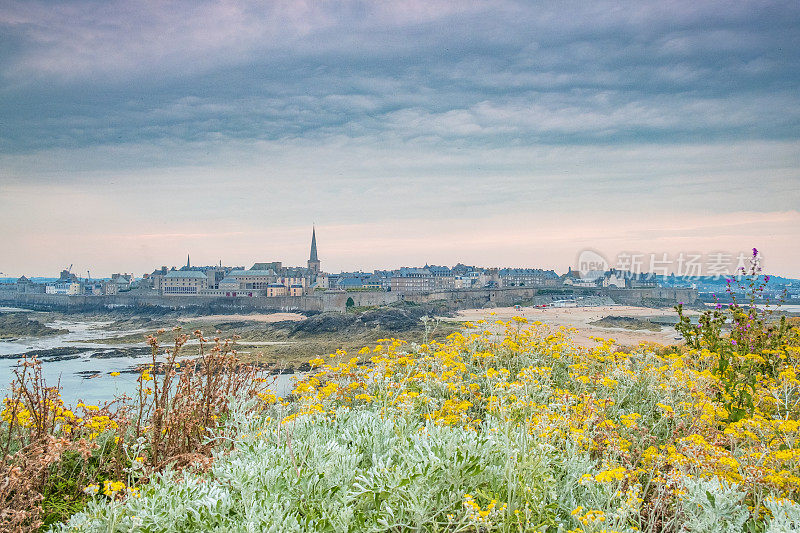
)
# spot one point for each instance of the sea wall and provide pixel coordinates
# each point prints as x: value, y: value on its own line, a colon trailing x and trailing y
x: 456, y: 299
x: 651, y: 295
x: 207, y: 303
x: 334, y: 300
x: 475, y: 298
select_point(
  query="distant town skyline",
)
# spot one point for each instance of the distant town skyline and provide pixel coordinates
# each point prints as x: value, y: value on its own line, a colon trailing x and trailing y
x: 492, y: 133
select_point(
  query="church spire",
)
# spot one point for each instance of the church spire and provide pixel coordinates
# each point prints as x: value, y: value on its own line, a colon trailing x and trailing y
x: 188, y: 263
x: 313, y: 259
x: 313, y: 256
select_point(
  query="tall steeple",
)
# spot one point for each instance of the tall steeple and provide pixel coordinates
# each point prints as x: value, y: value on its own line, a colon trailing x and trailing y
x: 313, y: 259
x: 188, y: 263
x: 313, y: 256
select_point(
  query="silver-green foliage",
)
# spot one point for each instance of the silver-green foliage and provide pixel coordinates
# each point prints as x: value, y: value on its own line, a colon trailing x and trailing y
x: 712, y: 506
x: 784, y: 516
x: 355, y: 471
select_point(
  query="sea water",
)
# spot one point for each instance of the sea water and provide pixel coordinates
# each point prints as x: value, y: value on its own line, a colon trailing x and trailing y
x: 86, y: 377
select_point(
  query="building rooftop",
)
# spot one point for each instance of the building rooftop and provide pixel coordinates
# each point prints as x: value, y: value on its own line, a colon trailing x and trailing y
x: 272, y: 265
x: 186, y: 274
x: 406, y: 272
x: 528, y: 271
x: 235, y: 273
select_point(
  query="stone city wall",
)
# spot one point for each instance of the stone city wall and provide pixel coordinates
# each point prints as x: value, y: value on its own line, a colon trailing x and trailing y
x: 333, y: 300
x: 206, y: 303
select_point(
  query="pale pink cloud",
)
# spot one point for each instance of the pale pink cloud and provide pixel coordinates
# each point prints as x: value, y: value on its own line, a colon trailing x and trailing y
x: 508, y: 240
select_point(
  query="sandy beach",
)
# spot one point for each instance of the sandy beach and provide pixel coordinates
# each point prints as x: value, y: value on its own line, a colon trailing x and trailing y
x: 580, y: 318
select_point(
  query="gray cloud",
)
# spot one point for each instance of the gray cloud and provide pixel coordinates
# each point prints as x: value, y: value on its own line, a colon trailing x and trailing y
x: 80, y: 74
x: 413, y: 110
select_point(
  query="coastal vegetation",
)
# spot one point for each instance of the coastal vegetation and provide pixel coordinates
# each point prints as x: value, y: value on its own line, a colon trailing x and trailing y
x: 56, y: 456
x: 502, y: 426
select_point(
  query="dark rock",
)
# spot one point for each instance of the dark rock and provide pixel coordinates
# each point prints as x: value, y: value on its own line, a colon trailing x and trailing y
x: 50, y: 353
x: 60, y: 358
x: 89, y: 373
x: 325, y: 323
x: 233, y: 325
x: 626, y: 322
x: 392, y: 319
x: 112, y: 353
x: 19, y: 325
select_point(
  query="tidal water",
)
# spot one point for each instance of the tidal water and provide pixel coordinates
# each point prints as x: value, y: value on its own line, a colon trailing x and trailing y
x: 87, y: 377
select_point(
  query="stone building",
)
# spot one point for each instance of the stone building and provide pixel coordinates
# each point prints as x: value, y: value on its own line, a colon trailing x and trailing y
x: 276, y: 289
x: 612, y: 278
x: 413, y: 280
x: 215, y: 275
x: 72, y: 288
x: 422, y: 279
x: 184, y: 283
x: 122, y: 281
x: 27, y: 286
x: 251, y: 279
x: 528, y: 277
x: 156, y: 278
x: 640, y: 280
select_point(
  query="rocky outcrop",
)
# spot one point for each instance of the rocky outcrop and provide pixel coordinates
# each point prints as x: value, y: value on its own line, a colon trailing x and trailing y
x: 13, y: 325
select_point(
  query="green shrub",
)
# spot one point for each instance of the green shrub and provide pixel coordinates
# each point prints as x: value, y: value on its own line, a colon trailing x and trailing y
x: 745, y: 339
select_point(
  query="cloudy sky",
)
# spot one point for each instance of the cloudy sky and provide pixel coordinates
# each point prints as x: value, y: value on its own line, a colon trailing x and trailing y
x: 493, y: 133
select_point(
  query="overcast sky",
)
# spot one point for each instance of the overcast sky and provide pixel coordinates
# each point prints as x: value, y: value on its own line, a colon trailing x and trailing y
x: 493, y: 133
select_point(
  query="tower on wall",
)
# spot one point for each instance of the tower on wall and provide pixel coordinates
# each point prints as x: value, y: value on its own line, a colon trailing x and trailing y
x: 313, y: 259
